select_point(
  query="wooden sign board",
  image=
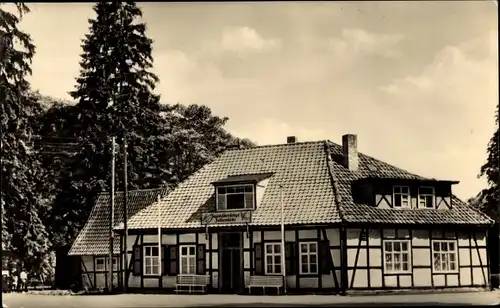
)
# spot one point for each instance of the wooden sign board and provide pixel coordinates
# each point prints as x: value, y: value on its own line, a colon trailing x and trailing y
x: 236, y: 217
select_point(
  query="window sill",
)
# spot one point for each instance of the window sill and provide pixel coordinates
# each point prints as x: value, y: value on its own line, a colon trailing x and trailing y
x: 233, y: 210
x: 397, y: 273
x: 444, y: 272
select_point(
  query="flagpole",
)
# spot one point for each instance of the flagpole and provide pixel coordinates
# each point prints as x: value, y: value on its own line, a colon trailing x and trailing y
x: 283, y: 265
x: 159, y: 237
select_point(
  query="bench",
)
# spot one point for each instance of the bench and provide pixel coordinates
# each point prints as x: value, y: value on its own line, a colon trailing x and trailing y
x: 265, y: 282
x: 192, y: 282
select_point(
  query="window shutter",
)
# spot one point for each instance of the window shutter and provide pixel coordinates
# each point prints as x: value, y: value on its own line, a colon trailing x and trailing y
x: 325, y: 258
x: 137, y: 270
x: 173, y: 264
x: 200, y: 259
x: 163, y: 260
x: 259, y: 265
x: 290, y: 258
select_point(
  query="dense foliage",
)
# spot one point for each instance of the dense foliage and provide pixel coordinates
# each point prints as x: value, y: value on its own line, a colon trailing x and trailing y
x: 115, y: 97
x: 488, y: 199
x: 23, y: 201
x: 56, y: 155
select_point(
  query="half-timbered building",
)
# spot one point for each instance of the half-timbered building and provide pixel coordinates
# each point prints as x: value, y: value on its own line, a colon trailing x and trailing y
x: 350, y: 222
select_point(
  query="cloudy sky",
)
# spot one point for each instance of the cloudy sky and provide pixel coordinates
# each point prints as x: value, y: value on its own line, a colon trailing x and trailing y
x: 417, y: 81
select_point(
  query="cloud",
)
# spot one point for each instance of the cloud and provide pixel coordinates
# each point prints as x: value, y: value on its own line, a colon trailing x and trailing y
x: 453, y: 73
x: 359, y: 41
x: 449, y: 106
x: 244, y: 41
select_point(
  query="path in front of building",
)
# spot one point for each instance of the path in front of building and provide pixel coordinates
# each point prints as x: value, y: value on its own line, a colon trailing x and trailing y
x: 16, y: 300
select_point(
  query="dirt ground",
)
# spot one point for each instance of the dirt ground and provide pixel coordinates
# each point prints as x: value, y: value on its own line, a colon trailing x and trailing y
x: 19, y: 300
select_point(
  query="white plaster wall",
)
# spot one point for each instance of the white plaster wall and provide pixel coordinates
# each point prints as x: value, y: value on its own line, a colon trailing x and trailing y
x: 452, y: 280
x: 421, y: 257
x: 465, y: 276
x: 289, y: 236
x: 308, y: 282
x: 352, y: 237
x: 375, y: 278
x: 89, y: 263
x: 88, y: 281
x: 169, y: 239
x: 405, y: 281
x: 374, y: 237
x: 422, y: 277
x: 187, y: 238
x: 150, y: 283
x: 307, y: 234
x: 260, y: 190
x: 421, y: 238
x: 391, y: 281
x: 272, y: 235
x: 246, y: 240
x: 333, y: 236
x: 382, y: 203
x: 256, y: 236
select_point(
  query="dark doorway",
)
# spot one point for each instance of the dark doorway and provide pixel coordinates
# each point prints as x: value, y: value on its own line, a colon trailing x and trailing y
x: 231, y: 271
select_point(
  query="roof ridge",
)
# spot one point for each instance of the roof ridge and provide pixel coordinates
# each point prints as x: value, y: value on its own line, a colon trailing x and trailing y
x: 385, y: 162
x: 333, y: 179
x: 274, y: 145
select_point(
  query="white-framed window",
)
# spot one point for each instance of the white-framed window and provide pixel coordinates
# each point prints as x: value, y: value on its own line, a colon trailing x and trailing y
x: 235, y: 197
x: 396, y: 256
x: 444, y: 256
x: 100, y: 264
x: 151, y: 260
x: 426, y: 197
x: 401, y: 196
x: 188, y: 259
x: 308, y: 258
x: 272, y: 253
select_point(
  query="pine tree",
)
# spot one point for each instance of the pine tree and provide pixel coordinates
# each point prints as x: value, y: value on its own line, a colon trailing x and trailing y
x: 23, y: 232
x: 115, y: 94
x: 115, y: 98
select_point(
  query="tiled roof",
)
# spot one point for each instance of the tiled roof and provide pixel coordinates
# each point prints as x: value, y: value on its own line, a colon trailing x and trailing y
x: 370, y: 167
x: 94, y: 237
x: 301, y: 168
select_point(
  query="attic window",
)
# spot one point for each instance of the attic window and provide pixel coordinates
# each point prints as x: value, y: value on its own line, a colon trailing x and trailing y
x: 235, y: 197
x: 401, y: 196
x: 426, y: 197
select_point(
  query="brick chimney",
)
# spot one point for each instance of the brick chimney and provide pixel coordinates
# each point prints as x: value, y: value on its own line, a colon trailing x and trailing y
x: 350, y: 151
x: 291, y: 139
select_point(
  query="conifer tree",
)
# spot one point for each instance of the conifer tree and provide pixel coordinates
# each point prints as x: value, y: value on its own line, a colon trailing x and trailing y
x: 23, y: 231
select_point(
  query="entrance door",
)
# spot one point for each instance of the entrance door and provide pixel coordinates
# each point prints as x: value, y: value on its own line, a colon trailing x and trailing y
x: 230, y: 264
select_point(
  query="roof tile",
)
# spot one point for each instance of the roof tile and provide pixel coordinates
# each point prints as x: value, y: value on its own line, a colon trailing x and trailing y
x: 94, y: 237
x: 354, y: 212
x: 301, y: 168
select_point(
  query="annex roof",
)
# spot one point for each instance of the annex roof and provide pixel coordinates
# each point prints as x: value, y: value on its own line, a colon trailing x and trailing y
x: 94, y: 237
x: 371, y: 168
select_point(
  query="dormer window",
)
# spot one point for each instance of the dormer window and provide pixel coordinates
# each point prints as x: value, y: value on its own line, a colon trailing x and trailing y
x: 401, y: 196
x: 235, y: 197
x: 426, y: 197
